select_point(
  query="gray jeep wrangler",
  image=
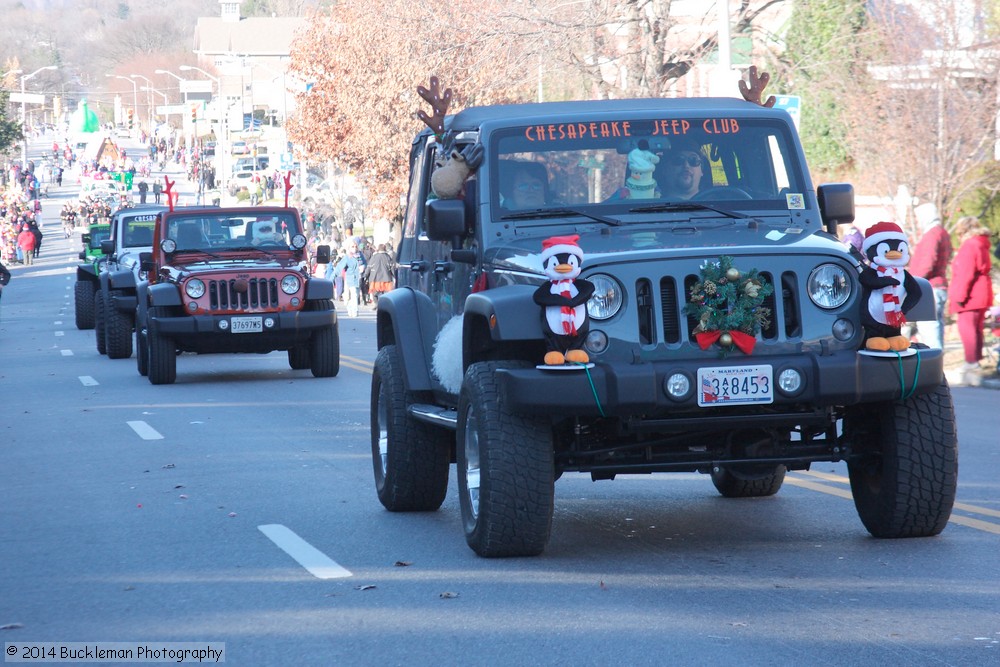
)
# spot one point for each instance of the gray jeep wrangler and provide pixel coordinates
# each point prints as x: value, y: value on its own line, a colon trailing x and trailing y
x: 460, y: 341
x: 108, y: 288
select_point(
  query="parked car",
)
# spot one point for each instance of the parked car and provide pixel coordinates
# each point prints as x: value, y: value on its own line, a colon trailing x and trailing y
x: 240, y: 148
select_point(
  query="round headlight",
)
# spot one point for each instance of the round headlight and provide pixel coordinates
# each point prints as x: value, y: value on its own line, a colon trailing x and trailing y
x: 829, y: 286
x: 299, y: 241
x: 195, y: 288
x: 290, y: 284
x: 607, y: 299
x: 168, y: 245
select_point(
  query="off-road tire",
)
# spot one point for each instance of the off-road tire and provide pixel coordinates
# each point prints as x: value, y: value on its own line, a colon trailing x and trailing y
x: 162, y: 367
x: 324, y: 347
x: 99, y: 313
x: 298, y: 357
x: 410, y: 459
x: 118, y: 332
x: 83, y: 304
x: 506, y: 473
x: 141, y: 351
x: 748, y: 482
x: 905, y: 481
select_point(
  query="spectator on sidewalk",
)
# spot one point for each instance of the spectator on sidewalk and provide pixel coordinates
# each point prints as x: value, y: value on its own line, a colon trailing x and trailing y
x: 970, y: 291
x: 930, y: 260
x: 4, y: 278
x: 26, y: 244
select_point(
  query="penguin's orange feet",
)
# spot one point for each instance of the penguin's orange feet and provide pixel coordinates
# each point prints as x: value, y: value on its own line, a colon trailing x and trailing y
x: 877, y: 344
x: 554, y: 358
x: 577, y: 356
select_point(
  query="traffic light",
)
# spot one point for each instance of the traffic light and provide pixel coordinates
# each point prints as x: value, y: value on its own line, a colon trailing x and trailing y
x: 194, y: 113
x: 131, y: 118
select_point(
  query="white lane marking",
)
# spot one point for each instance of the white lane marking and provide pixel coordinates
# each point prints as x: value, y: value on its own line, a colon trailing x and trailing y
x: 319, y: 564
x: 60, y: 333
x: 66, y: 353
x: 57, y: 322
x: 145, y: 431
x: 88, y: 381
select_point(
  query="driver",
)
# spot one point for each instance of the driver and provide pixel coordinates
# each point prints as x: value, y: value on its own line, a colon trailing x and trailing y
x: 265, y: 232
x: 682, y: 170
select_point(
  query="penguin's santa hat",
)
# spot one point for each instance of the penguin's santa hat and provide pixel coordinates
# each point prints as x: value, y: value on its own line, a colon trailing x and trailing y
x: 882, y: 231
x: 558, y: 245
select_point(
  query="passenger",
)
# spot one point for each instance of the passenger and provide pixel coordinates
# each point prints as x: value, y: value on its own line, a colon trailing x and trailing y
x: 523, y: 185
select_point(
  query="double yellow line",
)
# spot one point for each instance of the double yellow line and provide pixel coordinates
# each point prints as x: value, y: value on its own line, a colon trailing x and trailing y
x: 356, y: 364
x: 843, y: 491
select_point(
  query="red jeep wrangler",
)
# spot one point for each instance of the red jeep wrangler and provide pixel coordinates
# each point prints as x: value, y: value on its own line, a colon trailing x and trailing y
x: 233, y: 280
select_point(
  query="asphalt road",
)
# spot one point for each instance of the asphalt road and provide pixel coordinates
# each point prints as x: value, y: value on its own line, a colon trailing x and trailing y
x: 186, y: 513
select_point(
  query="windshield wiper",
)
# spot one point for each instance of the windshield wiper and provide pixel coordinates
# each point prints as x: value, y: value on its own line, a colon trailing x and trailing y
x: 685, y: 206
x: 558, y: 213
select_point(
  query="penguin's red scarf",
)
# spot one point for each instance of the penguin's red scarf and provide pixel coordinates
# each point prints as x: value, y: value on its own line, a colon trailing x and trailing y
x: 568, y: 314
x: 890, y: 296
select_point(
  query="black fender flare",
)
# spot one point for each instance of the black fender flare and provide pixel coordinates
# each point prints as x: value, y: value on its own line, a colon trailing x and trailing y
x: 503, y: 322
x: 163, y: 294
x: 87, y: 273
x: 407, y: 318
x: 925, y: 309
x: 318, y: 288
x: 122, y: 280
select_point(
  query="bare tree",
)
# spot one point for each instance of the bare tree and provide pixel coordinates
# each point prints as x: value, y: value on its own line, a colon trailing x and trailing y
x: 923, y: 113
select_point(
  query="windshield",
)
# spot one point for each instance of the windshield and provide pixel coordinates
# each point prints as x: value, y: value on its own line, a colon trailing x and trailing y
x: 271, y: 231
x: 138, y: 230
x: 632, y: 165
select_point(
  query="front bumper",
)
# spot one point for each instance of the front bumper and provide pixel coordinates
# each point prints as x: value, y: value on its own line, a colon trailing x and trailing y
x: 638, y: 390
x: 214, y: 333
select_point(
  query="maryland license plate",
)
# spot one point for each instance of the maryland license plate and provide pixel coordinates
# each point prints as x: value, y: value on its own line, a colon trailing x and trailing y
x: 735, y: 385
x: 246, y: 324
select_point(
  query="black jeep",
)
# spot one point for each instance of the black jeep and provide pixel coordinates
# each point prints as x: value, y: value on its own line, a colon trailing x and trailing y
x: 770, y: 381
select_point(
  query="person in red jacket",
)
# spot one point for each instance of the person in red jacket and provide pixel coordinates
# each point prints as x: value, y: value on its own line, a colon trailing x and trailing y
x: 26, y: 242
x: 930, y: 260
x: 970, y: 291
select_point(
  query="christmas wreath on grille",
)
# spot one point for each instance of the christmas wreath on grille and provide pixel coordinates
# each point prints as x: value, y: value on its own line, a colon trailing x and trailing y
x: 728, y: 306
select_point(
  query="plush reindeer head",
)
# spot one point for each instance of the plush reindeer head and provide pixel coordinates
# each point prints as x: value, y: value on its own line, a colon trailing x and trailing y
x: 452, y: 167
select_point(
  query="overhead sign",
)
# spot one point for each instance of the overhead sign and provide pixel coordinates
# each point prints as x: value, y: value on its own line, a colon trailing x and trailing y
x: 196, y: 86
x: 792, y: 104
x: 27, y: 98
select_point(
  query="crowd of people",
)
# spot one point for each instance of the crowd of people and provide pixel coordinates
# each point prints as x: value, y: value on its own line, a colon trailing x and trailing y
x: 361, y: 271
x: 20, y: 235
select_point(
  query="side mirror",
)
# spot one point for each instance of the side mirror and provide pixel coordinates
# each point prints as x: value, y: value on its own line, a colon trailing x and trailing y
x: 323, y: 254
x: 86, y: 240
x: 108, y: 247
x: 83, y: 254
x: 836, y: 205
x: 446, y: 221
x: 146, y: 262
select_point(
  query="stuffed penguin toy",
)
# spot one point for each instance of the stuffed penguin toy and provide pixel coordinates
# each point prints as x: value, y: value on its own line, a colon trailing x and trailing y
x: 888, y: 290
x: 564, y: 301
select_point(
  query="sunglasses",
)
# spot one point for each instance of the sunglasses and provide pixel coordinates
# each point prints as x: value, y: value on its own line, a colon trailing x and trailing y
x: 529, y: 187
x: 685, y: 160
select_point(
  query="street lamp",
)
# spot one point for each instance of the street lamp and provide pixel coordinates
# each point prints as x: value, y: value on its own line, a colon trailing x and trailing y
x: 135, y: 88
x: 24, y: 143
x: 169, y: 73
x: 221, y: 149
x: 150, y: 98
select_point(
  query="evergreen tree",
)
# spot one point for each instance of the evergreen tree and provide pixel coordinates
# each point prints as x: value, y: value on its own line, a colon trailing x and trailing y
x: 822, y: 43
x: 10, y: 130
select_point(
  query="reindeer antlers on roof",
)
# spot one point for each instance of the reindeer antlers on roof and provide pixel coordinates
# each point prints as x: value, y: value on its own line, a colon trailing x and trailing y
x: 755, y: 91
x: 439, y: 103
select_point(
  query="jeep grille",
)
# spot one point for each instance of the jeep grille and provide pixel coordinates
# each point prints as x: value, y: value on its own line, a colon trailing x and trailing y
x: 261, y: 293
x: 785, y: 321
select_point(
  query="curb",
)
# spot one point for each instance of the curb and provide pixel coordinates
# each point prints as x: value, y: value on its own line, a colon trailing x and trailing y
x: 957, y: 378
